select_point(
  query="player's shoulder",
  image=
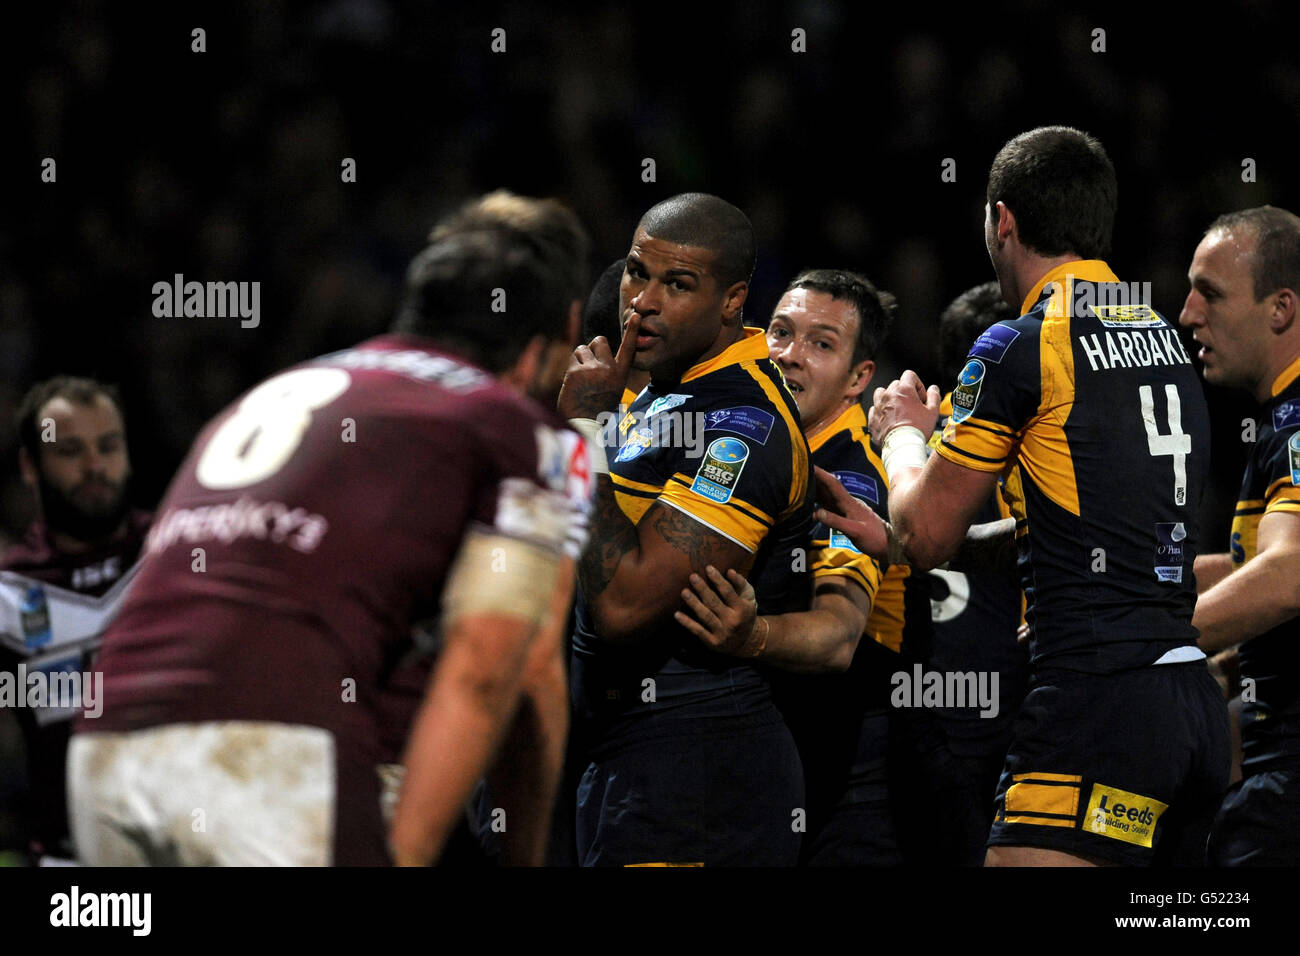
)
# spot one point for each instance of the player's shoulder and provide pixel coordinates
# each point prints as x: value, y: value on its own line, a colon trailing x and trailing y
x: 1010, y: 337
x: 750, y: 399
x: 849, y: 455
x: 1280, y: 435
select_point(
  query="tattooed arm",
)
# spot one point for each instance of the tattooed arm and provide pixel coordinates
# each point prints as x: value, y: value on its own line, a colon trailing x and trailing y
x: 632, y: 576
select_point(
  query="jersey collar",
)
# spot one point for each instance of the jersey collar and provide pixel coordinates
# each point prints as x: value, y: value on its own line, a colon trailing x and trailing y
x: 1090, y: 270
x: 1289, y: 375
x: 855, y: 416
x: 752, y: 346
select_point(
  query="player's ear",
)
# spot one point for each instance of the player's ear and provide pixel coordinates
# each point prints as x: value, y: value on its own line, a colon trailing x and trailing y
x: 1006, y: 222
x: 526, y: 367
x: 860, y: 377
x: 733, y: 300
x: 27, y: 468
x: 1282, y: 316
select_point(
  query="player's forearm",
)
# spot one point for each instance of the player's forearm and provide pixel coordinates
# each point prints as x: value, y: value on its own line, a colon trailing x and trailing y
x: 459, y: 726
x: 526, y: 773
x: 1210, y: 569
x: 927, y: 536
x: 1264, y: 593
x: 631, y: 585
x: 812, y: 642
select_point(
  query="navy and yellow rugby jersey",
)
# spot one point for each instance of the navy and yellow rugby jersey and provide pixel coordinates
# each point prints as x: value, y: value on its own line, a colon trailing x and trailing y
x: 1090, y: 408
x: 1270, y: 725
x: 725, y: 446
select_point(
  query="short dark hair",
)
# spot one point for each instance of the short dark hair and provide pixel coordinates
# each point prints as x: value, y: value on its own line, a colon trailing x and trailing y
x: 1061, y: 186
x: 454, y: 283
x: 1276, y: 262
x: 79, y: 391
x: 546, y: 219
x: 875, y: 307
x: 962, y: 322
x: 601, y: 316
x: 699, y: 219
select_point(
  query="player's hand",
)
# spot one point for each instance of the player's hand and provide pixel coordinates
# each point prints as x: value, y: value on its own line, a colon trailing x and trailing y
x: 838, y: 509
x: 726, y: 612
x: 905, y: 402
x: 596, y: 377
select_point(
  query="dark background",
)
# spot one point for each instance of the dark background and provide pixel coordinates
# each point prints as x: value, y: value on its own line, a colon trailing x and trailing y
x: 225, y: 165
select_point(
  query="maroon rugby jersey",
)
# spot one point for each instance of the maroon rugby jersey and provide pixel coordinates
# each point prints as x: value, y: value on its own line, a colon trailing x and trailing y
x: 90, y: 572
x: 328, y: 504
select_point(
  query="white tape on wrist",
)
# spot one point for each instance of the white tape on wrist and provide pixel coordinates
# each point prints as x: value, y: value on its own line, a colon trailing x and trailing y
x: 590, y: 429
x: 903, y: 447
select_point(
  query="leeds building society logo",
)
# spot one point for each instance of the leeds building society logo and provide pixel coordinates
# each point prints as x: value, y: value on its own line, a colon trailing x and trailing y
x: 1121, y: 815
x: 967, y: 392
x: 721, y: 469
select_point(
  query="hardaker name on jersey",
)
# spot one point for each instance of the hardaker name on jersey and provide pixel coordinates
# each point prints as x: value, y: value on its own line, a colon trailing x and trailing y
x: 1090, y: 408
x: 1270, y: 720
x: 725, y: 446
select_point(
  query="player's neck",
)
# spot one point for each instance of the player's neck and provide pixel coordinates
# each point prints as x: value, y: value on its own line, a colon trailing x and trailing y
x: 1279, y: 360
x: 827, y: 419
x: 668, y: 378
x: 1031, y: 269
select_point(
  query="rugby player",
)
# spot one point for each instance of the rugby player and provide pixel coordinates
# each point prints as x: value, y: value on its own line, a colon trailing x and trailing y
x: 1121, y: 747
x: 313, y: 524
x: 477, y: 841
x: 824, y: 335
x: 85, y: 541
x: 1242, y: 308
x: 691, y: 763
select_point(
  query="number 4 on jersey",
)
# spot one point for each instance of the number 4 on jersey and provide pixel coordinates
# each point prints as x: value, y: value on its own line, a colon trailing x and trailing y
x: 1177, y: 443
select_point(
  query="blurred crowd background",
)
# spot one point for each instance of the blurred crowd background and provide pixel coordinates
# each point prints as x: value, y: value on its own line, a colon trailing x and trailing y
x: 225, y: 165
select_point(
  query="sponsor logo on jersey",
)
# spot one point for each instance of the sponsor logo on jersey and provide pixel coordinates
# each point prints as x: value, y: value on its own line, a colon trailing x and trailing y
x: 1127, y: 316
x: 744, y: 420
x: 995, y: 341
x: 1286, y: 415
x: 1293, y: 449
x: 1121, y: 815
x: 860, y: 486
x: 1170, y: 551
x: 665, y: 402
x: 967, y: 393
x: 720, y: 470
x: 634, y: 444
